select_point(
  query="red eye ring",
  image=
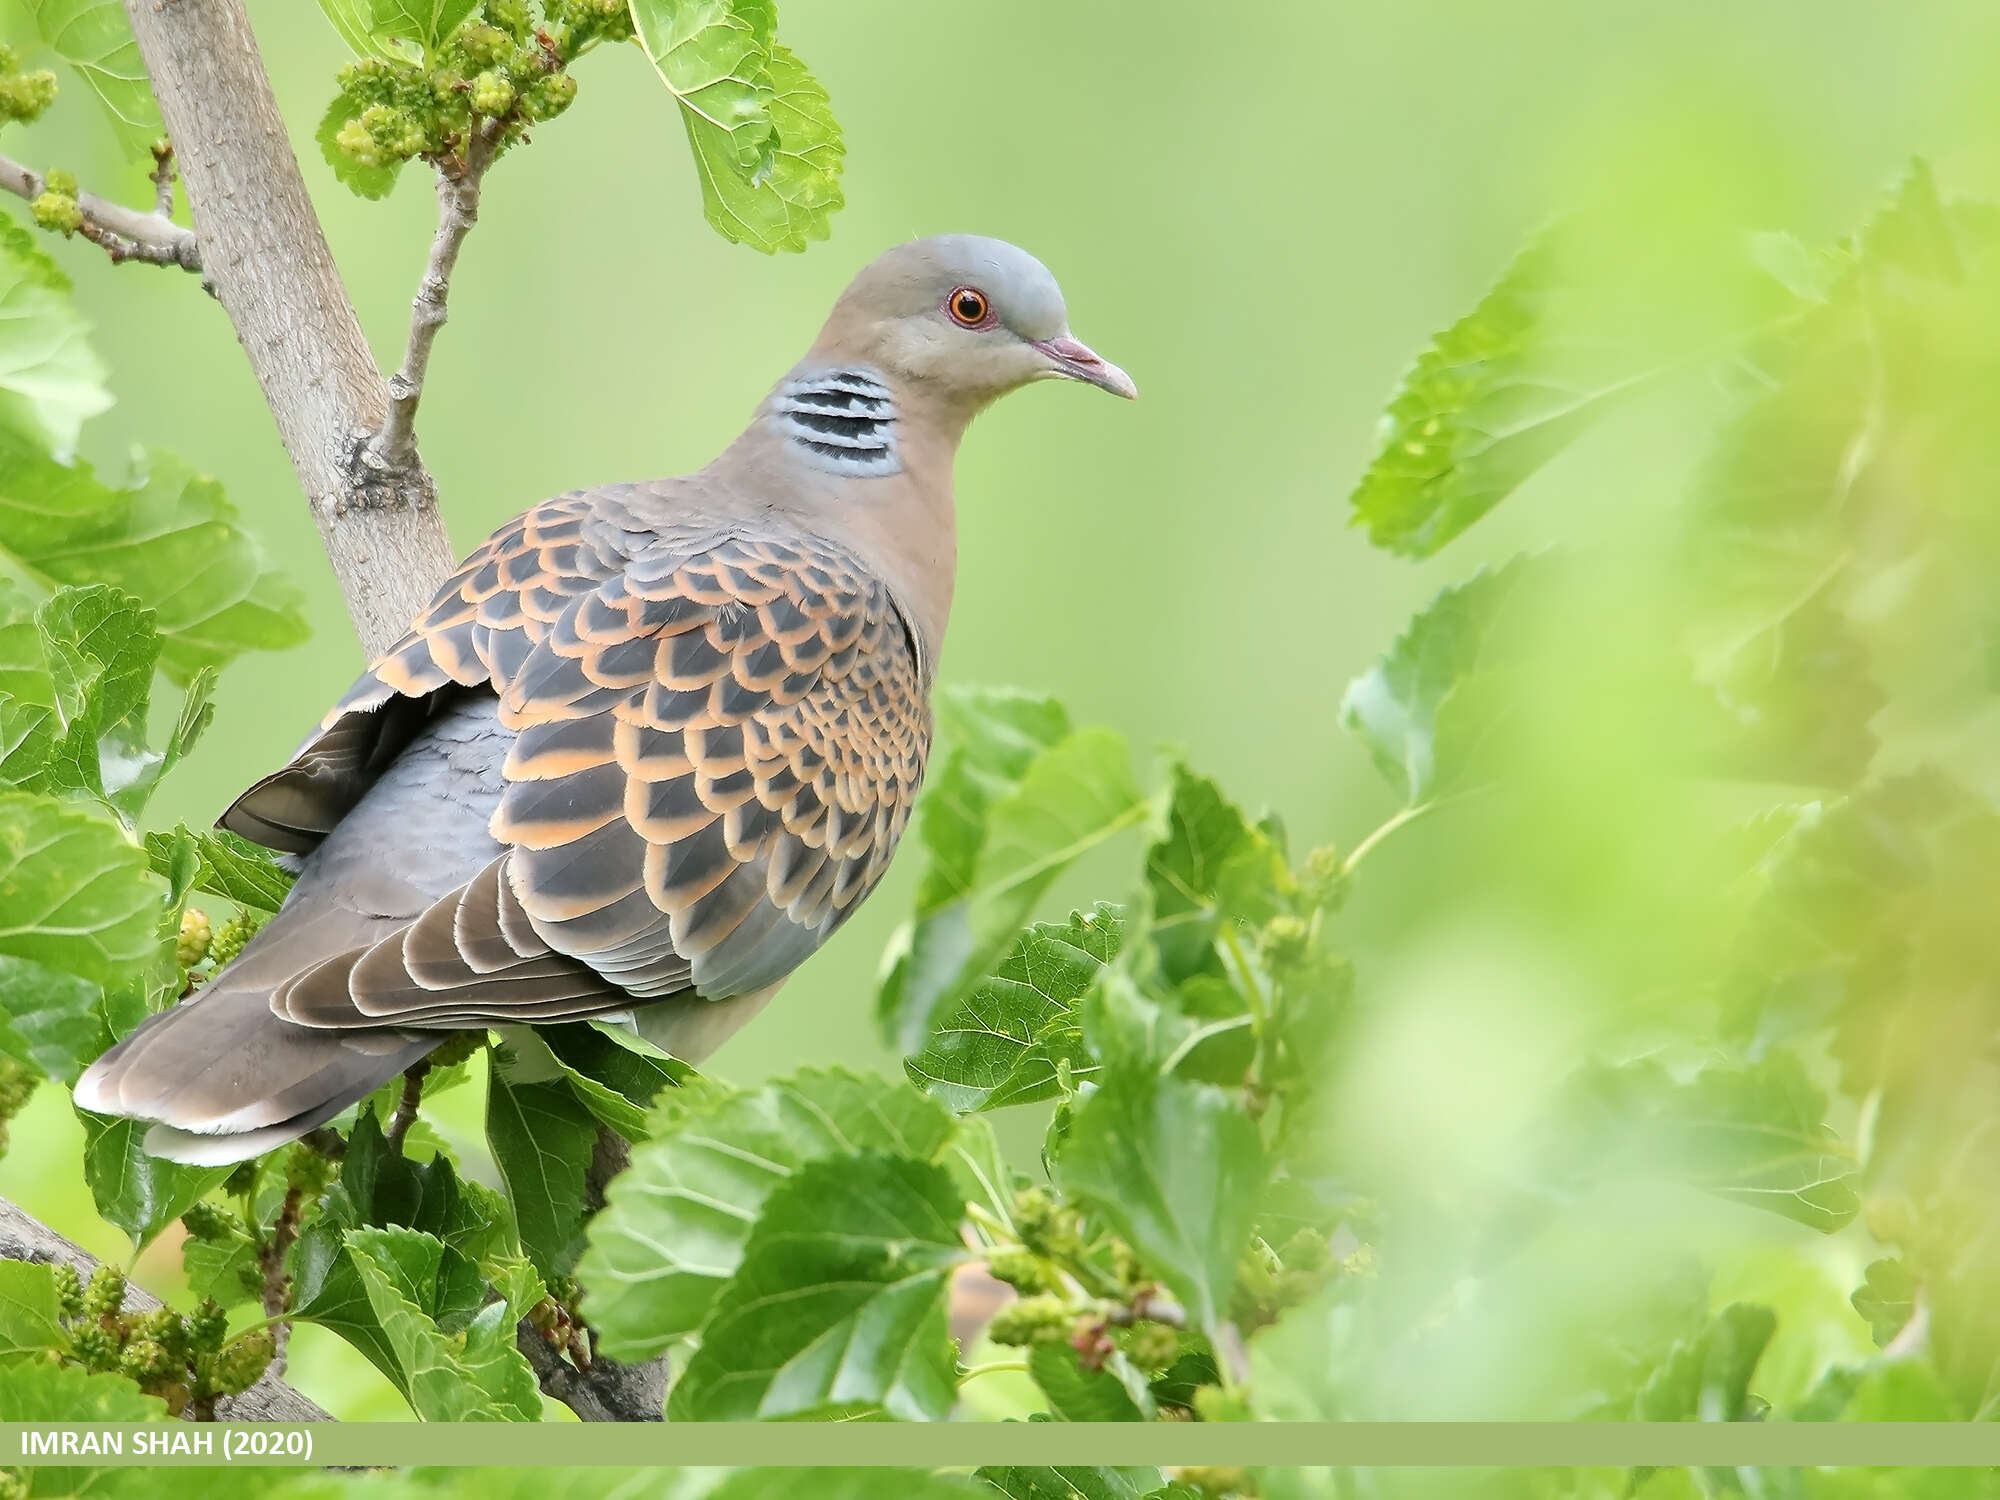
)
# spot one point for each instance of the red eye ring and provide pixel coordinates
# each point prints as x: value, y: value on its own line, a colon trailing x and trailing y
x: 968, y: 307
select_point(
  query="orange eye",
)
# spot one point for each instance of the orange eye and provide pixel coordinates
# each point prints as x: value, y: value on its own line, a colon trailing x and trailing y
x: 968, y: 306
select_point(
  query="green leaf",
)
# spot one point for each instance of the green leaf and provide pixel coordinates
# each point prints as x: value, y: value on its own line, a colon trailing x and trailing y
x: 353, y: 20
x: 616, y: 1073
x: 1176, y: 1168
x: 101, y: 648
x: 1005, y: 1042
x: 95, y: 39
x: 169, y: 537
x: 1072, y: 797
x: 1072, y: 1483
x: 225, y: 865
x: 477, y: 1376
x: 675, y: 1222
x: 23, y: 245
x: 1211, y: 864
x: 842, y: 1484
x: 839, y: 1304
x: 1399, y: 707
x: 1079, y: 1395
x: 542, y: 1138
x: 140, y: 1193
x: 766, y: 147
x: 33, y: 1390
x: 75, y: 893
x: 425, y: 22
x: 226, y: 1269
x: 30, y: 1315
x: 51, y: 380
x: 29, y: 721
x: 792, y: 203
x: 51, y: 1018
x: 357, y: 177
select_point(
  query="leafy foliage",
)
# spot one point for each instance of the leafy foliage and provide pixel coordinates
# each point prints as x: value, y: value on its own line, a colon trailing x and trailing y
x: 95, y: 39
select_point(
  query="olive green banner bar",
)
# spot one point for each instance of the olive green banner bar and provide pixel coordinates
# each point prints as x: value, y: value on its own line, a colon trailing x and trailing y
x: 917, y: 1445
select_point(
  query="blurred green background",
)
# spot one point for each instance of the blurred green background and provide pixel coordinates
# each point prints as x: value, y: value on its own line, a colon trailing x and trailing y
x: 1262, y: 213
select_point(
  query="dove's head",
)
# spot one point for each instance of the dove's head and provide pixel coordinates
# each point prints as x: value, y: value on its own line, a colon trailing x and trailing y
x: 965, y: 318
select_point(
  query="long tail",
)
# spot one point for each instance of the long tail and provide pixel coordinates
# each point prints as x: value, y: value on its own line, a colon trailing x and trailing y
x: 225, y: 1080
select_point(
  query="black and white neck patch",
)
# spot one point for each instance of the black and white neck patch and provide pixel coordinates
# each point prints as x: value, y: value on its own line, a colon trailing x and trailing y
x: 843, y: 421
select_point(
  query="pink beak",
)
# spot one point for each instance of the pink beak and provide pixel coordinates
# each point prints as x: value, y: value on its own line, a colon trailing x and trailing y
x: 1078, y: 361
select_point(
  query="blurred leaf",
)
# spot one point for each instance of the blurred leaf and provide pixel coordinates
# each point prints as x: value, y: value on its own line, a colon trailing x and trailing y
x: 673, y: 1230
x: 1399, y: 707
x: 425, y: 22
x: 1755, y: 1134
x: 1079, y: 1395
x: 481, y: 1378
x: 74, y: 891
x: 30, y: 1316
x: 22, y: 245
x: 1586, y: 316
x: 1070, y: 798
x: 139, y: 1192
x: 1176, y: 1169
x: 1887, y: 1299
x: 1210, y: 865
x: 170, y: 537
x: 1707, y: 1378
x: 33, y: 1390
x: 225, y: 865
x: 1005, y: 1040
x: 353, y: 20
x: 542, y: 1139
x: 842, y: 1484
x: 95, y: 39
x: 1072, y: 1483
x: 838, y: 1306
x: 51, y: 1020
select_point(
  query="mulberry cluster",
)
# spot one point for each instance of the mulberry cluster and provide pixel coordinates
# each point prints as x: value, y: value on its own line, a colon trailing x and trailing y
x: 181, y: 1359
x: 17, y: 1085
x: 23, y: 96
x: 505, y: 67
x: 56, y: 206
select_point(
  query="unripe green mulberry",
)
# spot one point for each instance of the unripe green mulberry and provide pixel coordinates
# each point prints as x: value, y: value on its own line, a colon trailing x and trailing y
x: 17, y: 1086
x: 484, y: 45
x: 95, y: 1346
x: 69, y: 1290
x: 457, y: 1048
x: 1021, y: 1269
x: 145, y: 1360
x: 235, y: 933
x: 238, y: 1366
x: 511, y: 16
x: 60, y: 181
x: 164, y: 1327
x: 106, y: 1293
x: 196, y: 933
x: 212, y: 1222
x: 207, y: 1326
x: 492, y: 95
x: 12, y: 1485
x: 548, y: 97
x: 308, y: 1171
x: 1324, y: 880
x: 23, y: 96
x: 1152, y: 1346
x: 1286, y: 942
x: 57, y: 212
x: 1032, y: 1320
x: 242, y: 1180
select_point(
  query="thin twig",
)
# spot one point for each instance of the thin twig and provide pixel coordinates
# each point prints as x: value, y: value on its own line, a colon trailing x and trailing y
x: 277, y: 1287
x: 458, y: 210
x: 407, y: 1106
x: 163, y: 179
x: 123, y: 233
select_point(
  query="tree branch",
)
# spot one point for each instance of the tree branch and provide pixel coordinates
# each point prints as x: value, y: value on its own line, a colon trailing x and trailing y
x: 124, y: 233
x: 458, y: 211
x: 269, y: 265
x: 23, y: 1237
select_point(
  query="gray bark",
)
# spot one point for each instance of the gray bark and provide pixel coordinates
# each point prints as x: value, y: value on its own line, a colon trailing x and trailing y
x: 266, y: 258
